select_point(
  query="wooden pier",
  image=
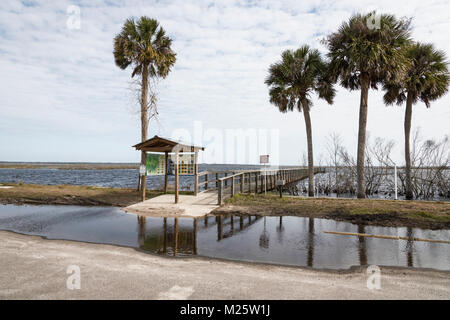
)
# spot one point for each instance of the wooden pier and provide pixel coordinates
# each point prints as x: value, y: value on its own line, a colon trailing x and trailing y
x: 215, y: 187
x: 248, y: 181
x: 210, y: 188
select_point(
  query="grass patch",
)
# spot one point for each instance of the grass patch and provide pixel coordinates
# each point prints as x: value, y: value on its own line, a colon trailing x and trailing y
x: 429, y: 211
x: 69, y: 194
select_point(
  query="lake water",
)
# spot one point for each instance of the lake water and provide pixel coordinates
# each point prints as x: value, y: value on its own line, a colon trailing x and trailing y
x: 115, y: 178
x: 285, y: 240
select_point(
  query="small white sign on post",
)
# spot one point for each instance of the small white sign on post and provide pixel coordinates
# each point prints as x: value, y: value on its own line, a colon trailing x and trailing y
x: 142, y: 170
x: 264, y: 158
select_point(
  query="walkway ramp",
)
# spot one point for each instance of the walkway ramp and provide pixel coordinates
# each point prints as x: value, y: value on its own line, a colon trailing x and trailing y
x: 188, y: 206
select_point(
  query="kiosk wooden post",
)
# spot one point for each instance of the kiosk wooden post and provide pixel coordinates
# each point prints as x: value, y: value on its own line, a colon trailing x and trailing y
x: 176, y: 177
x: 196, y: 173
x: 166, y: 174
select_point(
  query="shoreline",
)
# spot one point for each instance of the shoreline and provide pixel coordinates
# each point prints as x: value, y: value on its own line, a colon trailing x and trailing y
x: 386, y: 213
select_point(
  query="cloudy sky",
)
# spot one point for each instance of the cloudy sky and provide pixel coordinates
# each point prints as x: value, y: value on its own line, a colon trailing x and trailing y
x: 63, y: 99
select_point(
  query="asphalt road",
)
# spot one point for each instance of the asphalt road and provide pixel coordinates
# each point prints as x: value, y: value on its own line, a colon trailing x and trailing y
x: 35, y: 268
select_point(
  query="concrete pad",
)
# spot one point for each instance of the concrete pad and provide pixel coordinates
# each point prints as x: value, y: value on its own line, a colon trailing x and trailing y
x: 188, y: 206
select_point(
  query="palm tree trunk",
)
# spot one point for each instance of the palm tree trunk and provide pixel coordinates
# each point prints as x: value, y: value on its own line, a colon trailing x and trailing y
x: 407, y: 124
x: 144, y: 117
x: 362, y: 136
x: 310, y: 149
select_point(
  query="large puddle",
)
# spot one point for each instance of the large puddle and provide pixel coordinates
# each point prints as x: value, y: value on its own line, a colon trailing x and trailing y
x: 282, y: 240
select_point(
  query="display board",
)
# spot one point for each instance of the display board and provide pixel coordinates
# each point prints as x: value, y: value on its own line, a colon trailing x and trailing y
x: 155, y: 164
x: 186, y: 164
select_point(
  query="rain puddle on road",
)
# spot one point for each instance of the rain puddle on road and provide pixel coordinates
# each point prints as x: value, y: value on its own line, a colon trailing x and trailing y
x: 284, y: 240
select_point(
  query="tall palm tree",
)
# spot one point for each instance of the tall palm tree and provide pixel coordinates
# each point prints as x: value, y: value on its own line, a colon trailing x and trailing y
x: 363, y: 55
x: 143, y: 44
x: 291, y: 82
x: 426, y: 79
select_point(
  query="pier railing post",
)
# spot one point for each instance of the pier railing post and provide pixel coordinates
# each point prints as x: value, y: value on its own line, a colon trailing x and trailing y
x: 217, y: 180
x: 242, y: 179
x: 232, y: 186
x: 220, y: 192
x: 196, y: 185
x: 206, y: 181
x: 256, y: 182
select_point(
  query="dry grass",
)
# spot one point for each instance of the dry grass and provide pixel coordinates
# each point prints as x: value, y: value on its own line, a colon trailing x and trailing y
x: 427, y: 214
x: 74, y: 195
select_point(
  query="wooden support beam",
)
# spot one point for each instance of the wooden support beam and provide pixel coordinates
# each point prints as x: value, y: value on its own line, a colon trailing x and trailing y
x: 242, y: 180
x: 196, y: 174
x: 206, y: 181
x: 166, y: 174
x: 176, y: 177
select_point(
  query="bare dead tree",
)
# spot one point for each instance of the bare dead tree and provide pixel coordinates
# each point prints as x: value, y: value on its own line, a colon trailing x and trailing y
x: 135, y: 89
x: 334, y: 147
x: 430, y: 173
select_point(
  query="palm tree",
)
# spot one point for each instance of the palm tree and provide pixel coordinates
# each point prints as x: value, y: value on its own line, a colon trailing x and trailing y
x: 291, y: 82
x: 363, y: 55
x: 426, y: 79
x: 143, y: 44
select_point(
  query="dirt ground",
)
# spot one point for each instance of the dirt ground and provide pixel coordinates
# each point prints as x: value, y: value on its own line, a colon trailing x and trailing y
x: 35, y: 268
x: 71, y: 195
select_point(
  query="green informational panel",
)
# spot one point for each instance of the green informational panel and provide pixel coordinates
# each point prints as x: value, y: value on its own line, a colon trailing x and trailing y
x: 155, y: 164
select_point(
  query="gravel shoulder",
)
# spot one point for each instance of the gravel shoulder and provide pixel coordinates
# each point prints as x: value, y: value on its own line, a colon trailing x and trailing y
x: 35, y: 268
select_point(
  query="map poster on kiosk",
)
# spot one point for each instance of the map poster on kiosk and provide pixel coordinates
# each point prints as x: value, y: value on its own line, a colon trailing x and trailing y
x: 155, y: 164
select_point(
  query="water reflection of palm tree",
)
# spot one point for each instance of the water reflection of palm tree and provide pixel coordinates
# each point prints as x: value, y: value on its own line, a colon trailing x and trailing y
x: 280, y: 230
x: 410, y: 247
x: 362, y: 247
x: 264, y: 238
x: 195, y: 237
x: 310, y: 261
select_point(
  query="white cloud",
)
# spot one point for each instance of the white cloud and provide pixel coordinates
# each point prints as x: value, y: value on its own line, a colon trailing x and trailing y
x: 63, y: 99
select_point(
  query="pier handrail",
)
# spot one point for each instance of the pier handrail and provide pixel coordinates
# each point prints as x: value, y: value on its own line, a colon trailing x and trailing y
x: 252, y: 180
